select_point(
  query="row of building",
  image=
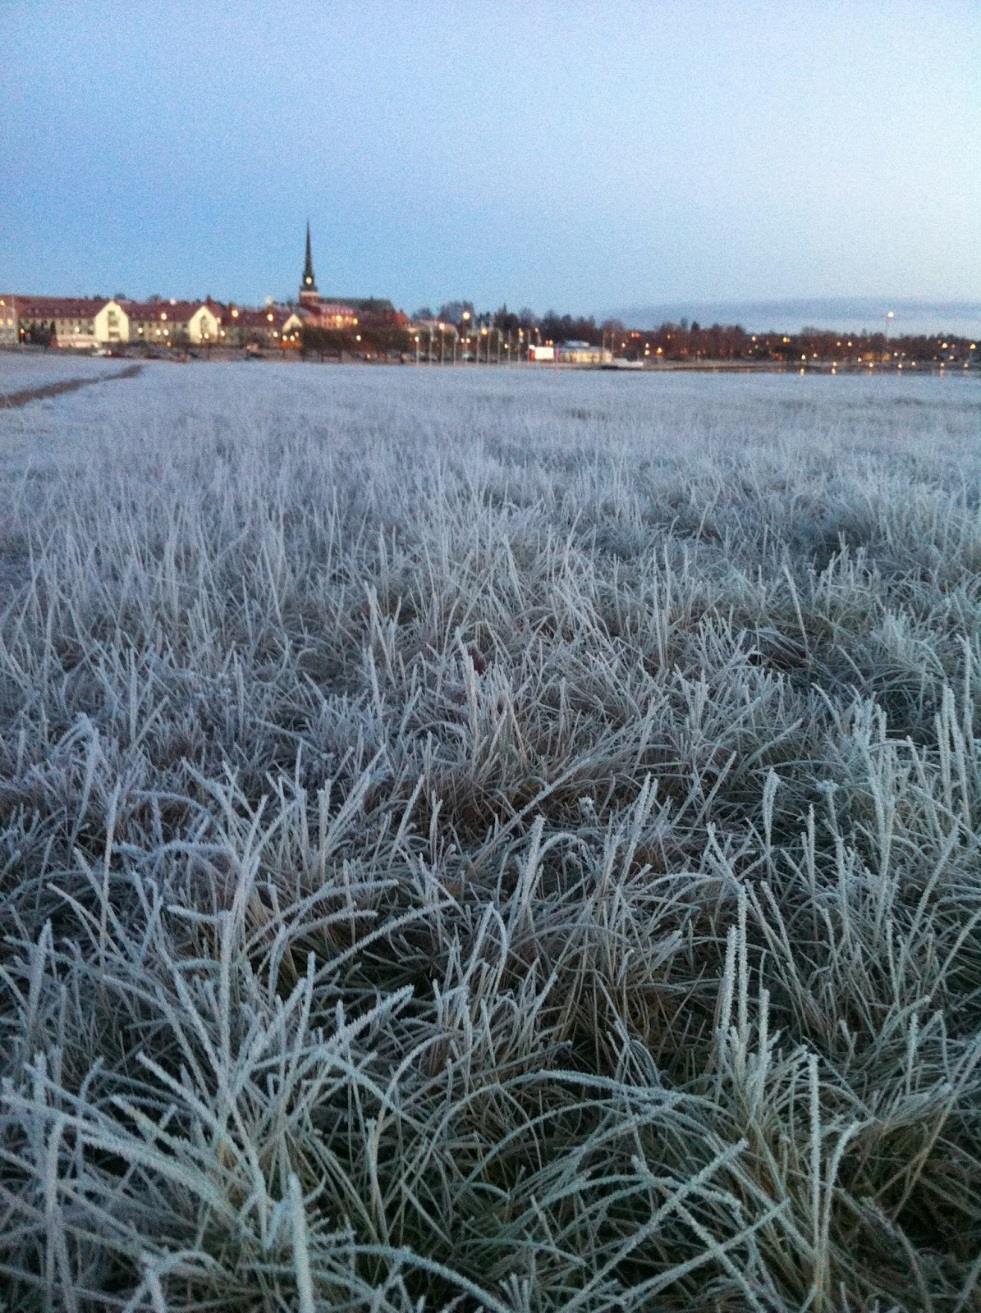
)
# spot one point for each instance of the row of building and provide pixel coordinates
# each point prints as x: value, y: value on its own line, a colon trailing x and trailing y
x: 85, y: 323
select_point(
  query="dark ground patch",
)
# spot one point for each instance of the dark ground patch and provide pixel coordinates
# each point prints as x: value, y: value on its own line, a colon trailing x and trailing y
x: 11, y: 400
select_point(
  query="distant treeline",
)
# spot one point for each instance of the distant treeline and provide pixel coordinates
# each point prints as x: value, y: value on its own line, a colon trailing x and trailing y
x: 686, y: 340
x: 681, y: 341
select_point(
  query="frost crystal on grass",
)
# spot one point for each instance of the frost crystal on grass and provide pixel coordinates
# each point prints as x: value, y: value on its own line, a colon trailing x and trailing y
x: 457, y: 858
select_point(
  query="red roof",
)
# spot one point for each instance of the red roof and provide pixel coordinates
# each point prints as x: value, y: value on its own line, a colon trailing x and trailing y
x: 250, y: 318
x: 174, y: 312
x: 58, y: 307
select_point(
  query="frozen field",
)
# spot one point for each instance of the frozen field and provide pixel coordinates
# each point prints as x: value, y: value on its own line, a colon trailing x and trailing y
x: 489, y: 840
x: 20, y: 370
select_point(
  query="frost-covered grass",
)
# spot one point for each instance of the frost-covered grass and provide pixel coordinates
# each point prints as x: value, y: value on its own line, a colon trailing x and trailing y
x: 20, y: 369
x: 490, y: 841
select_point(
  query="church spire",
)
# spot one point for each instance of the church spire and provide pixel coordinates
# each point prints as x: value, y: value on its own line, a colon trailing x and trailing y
x: 308, y: 287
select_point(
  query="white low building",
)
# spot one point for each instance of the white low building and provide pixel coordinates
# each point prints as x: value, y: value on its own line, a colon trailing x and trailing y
x: 111, y: 324
x: 173, y: 323
x: 582, y: 353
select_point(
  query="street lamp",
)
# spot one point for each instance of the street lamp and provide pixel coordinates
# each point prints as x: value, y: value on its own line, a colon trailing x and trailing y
x: 890, y: 314
x: 466, y: 332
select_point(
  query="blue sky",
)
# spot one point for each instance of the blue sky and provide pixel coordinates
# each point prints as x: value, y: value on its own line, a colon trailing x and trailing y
x: 569, y: 155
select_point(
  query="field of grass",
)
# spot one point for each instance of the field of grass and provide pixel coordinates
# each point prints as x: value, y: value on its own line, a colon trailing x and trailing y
x: 20, y: 370
x: 475, y: 840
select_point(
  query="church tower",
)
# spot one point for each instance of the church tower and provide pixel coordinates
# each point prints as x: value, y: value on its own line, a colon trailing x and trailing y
x: 308, y: 287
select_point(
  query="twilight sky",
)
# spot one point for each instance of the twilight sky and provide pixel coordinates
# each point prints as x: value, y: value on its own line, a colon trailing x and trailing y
x: 551, y: 154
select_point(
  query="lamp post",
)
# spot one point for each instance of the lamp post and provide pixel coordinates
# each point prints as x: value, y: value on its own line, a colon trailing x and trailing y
x: 890, y: 314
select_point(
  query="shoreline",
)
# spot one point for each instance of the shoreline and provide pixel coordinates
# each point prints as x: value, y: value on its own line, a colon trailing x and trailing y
x: 823, y: 367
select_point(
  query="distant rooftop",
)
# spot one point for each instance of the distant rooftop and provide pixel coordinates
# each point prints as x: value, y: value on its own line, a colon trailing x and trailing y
x: 58, y: 307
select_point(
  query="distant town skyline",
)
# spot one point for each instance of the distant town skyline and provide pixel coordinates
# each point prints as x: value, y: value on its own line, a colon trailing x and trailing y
x: 538, y: 155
